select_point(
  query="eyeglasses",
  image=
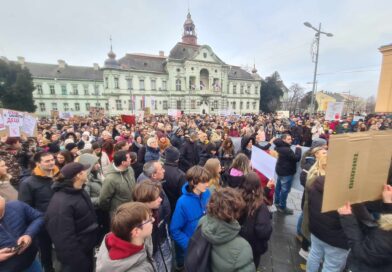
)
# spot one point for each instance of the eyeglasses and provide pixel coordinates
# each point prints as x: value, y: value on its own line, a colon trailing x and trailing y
x: 151, y: 220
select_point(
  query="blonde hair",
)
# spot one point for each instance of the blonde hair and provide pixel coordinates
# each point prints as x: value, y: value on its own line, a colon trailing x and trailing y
x: 318, y: 169
x: 211, y: 166
x: 242, y: 163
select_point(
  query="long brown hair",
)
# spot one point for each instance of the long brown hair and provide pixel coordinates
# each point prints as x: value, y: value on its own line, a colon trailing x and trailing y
x: 242, y: 163
x: 211, y: 166
x: 252, y: 193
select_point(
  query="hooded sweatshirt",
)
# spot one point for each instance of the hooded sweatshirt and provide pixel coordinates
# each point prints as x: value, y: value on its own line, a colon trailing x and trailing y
x: 121, y: 256
x: 117, y: 188
x: 230, y: 252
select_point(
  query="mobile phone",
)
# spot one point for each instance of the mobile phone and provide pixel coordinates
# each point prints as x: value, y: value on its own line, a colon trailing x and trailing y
x: 17, y: 247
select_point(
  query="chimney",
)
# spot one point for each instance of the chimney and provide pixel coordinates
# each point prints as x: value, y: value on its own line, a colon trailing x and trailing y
x: 161, y: 53
x: 21, y: 61
x: 61, y: 63
x: 96, y: 66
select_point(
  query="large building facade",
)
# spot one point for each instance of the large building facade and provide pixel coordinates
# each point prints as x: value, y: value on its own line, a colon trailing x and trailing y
x: 191, y: 78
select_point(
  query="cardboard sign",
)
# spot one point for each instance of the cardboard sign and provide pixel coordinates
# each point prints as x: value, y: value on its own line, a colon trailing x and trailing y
x: 334, y: 111
x: 16, y: 123
x: 263, y: 162
x: 357, y: 168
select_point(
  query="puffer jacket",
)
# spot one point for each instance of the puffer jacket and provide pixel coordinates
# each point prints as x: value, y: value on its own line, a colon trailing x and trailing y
x: 36, y: 190
x: 152, y: 154
x: 19, y: 219
x: 189, y: 209
x: 230, y: 252
x: 138, y: 262
x: 117, y: 188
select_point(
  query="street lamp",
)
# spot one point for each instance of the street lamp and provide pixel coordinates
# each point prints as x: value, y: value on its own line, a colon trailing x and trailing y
x: 317, y: 35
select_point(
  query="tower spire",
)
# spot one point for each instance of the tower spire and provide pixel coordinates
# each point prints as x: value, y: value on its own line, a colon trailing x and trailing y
x: 189, y: 35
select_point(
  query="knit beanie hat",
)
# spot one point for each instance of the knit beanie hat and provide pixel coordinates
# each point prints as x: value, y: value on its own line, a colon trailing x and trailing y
x: 318, y: 142
x: 172, y: 154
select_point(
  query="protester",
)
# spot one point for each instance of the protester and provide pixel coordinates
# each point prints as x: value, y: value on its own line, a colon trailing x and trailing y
x: 128, y: 247
x: 226, y: 153
x: 370, y: 248
x: 64, y: 157
x: 286, y: 167
x: 174, y: 176
x: 152, y: 150
x: 229, y: 252
x: 189, y: 152
x: 20, y: 225
x: 256, y: 225
x: 149, y: 193
x: 329, y: 242
x: 118, y: 183
x: 36, y: 191
x: 6, y: 189
x: 234, y: 176
x: 213, y: 166
x: 190, y: 207
x: 70, y: 219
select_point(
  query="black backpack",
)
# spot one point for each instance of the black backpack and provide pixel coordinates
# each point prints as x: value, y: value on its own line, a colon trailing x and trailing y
x: 198, y: 253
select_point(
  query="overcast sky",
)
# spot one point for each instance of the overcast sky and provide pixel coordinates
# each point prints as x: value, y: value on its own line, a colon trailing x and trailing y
x: 271, y: 33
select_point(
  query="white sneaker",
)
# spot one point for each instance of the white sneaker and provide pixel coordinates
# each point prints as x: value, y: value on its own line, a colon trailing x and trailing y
x: 304, y: 254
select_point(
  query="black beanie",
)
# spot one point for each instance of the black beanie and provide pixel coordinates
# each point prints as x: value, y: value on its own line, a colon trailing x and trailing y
x: 172, y: 154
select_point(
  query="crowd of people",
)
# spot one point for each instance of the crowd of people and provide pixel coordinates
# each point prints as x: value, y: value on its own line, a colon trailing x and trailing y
x: 106, y: 195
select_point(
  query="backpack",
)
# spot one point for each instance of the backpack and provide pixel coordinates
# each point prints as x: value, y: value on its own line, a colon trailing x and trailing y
x: 198, y: 253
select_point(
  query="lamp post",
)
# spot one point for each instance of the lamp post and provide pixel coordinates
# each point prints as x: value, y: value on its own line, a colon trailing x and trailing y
x: 317, y: 36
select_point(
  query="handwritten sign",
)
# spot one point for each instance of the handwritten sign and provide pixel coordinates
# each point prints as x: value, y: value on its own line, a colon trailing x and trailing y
x: 15, y: 123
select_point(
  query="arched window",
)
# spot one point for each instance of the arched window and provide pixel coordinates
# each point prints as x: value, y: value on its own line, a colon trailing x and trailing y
x: 204, y: 79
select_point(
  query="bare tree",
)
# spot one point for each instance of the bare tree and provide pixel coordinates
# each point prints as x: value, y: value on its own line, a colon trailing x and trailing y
x: 370, y: 104
x: 296, y: 93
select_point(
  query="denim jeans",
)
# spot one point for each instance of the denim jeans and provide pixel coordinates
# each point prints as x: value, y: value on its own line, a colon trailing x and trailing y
x: 299, y: 223
x: 282, y: 190
x: 160, y: 262
x: 34, y: 267
x: 334, y: 257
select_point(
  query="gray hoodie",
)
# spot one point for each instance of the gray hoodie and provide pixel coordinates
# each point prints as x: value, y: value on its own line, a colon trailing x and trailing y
x: 139, y: 262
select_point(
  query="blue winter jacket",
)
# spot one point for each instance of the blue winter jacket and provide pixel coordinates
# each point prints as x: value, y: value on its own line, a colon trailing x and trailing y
x: 19, y: 219
x: 152, y: 154
x: 189, y: 209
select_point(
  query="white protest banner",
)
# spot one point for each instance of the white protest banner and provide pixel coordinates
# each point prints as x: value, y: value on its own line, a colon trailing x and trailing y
x: 2, y: 126
x: 357, y: 118
x: 334, y: 111
x: 65, y: 115
x: 29, y: 125
x: 283, y: 114
x: 15, y: 123
x: 263, y: 162
x: 12, y: 118
x: 174, y: 112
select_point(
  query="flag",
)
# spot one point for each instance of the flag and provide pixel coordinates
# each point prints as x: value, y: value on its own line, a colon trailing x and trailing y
x: 128, y: 119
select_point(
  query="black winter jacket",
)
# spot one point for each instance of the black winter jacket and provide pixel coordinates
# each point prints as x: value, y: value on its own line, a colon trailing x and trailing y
x: 72, y: 225
x: 174, y: 180
x: 176, y: 141
x: 189, y: 155
x: 371, y: 250
x: 232, y: 181
x: 287, y: 160
x: 325, y: 226
x: 36, y: 190
x: 257, y: 230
